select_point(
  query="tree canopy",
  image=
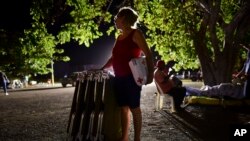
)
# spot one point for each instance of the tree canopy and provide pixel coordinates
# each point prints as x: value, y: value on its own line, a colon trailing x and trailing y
x: 204, y: 34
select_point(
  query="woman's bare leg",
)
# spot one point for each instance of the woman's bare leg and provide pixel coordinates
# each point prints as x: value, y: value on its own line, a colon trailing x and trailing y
x: 125, y: 119
x: 137, y: 120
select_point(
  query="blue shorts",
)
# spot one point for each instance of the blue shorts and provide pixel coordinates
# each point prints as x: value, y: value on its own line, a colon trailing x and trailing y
x: 127, y: 92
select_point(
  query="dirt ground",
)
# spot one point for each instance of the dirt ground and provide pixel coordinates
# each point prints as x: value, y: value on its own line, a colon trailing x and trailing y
x: 43, y: 115
x: 35, y: 115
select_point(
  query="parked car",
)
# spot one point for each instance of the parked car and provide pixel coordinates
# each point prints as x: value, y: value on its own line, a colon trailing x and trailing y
x: 71, y: 79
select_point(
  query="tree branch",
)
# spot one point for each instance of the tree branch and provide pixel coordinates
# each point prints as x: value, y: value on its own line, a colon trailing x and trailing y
x: 203, y: 5
x: 244, y: 23
x: 215, y: 9
x: 239, y: 16
x: 101, y: 18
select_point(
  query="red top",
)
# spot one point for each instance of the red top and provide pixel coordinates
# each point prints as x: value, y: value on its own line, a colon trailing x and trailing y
x: 165, y: 85
x: 123, y: 51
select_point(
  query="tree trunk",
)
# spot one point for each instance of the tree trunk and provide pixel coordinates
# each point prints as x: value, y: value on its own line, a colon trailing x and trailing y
x: 215, y: 71
x: 218, y: 67
x: 217, y: 64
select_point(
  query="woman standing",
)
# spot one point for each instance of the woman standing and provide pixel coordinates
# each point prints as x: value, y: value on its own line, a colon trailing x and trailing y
x: 129, y: 44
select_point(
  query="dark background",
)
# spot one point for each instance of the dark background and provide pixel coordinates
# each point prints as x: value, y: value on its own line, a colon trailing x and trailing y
x: 15, y: 17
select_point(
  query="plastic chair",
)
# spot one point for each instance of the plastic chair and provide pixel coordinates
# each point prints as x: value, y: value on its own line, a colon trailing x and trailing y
x: 159, y: 99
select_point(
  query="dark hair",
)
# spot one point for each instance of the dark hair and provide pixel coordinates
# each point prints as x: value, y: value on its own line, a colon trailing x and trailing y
x: 171, y: 63
x: 130, y: 15
x: 160, y: 64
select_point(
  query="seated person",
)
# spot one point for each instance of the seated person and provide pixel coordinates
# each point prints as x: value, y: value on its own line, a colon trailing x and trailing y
x: 162, y: 77
x: 227, y: 90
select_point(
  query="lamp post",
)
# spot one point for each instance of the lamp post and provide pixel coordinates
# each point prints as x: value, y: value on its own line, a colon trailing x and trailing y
x: 52, y: 72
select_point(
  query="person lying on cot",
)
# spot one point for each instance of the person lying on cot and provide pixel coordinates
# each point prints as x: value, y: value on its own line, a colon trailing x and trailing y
x: 226, y: 90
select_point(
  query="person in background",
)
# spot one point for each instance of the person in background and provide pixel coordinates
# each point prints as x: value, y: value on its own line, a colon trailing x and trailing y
x: 171, y: 73
x: 26, y: 80
x: 4, y: 81
x: 167, y: 85
x: 245, y: 74
x: 129, y: 44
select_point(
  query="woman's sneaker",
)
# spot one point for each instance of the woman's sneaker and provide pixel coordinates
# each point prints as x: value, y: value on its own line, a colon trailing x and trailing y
x: 6, y: 94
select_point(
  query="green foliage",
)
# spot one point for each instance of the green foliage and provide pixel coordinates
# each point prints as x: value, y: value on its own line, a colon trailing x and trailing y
x: 167, y: 25
x: 87, y: 19
x: 38, y: 47
x: 228, y: 9
x: 173, y: 26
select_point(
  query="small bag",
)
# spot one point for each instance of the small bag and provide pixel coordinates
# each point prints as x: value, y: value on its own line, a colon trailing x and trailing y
x: 177, y: 82
x: 139, y: 70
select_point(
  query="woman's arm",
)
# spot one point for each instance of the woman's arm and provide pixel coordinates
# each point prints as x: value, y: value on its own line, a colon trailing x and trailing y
x: 159, y: 76
x: 242, y: 72
x: 139, y: 39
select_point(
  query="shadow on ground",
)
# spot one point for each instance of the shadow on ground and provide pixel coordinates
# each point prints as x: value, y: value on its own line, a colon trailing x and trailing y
x: 209, y: 123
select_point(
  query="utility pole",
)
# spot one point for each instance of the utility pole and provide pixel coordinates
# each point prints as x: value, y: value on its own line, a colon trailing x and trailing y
x: 52, y: 72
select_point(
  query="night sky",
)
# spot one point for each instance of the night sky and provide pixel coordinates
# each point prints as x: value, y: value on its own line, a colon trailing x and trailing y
x: 14, y: 14
x: 97, y: 53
